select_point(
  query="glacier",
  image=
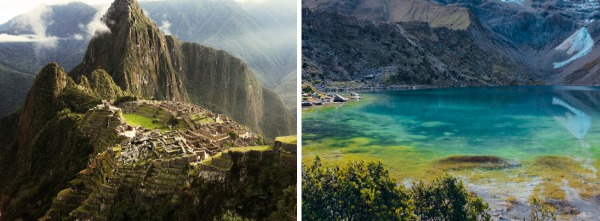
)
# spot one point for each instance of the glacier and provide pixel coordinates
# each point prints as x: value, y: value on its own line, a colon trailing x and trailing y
x: 581, y: 42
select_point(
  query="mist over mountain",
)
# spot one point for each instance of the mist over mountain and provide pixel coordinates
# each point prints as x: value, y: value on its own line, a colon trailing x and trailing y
x: 146, y: 127
x: 261, y: 33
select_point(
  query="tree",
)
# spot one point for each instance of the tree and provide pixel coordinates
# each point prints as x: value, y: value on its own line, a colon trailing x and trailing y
x: 358, y: 191
x: 446, y: 198
x: 364, y: 191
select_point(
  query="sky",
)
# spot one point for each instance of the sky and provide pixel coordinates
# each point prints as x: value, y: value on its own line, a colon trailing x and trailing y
x: 12, y: 8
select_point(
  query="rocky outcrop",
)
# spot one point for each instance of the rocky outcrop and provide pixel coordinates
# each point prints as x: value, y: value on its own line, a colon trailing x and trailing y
x: 224, y: 84
x: 452, y: 17
x: 134, y: 53
x: 101, y: 84
x: 143, y: 62
x: 40, y: 106
x: 340, y: 48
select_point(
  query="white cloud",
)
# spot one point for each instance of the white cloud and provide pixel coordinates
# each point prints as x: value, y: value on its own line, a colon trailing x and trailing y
x: 165, y: 27
x: 78, y: 37
x: 10, y: 9
x: 37, y: 20
x: 97, y: 26
x: 4, y: 38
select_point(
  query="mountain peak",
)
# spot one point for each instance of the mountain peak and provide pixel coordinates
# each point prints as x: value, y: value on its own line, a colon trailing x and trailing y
x: 124, y: 11
x: 135, y: 54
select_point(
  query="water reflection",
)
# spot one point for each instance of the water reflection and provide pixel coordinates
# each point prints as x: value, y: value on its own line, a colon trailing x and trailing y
x: 574, y: 120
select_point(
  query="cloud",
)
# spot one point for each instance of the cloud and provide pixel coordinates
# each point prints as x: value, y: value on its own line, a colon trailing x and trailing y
x: 38, y: 20
x: 97, y: 26
x: 48, y: 41
x: 165, y: 27
x: 78, y: 37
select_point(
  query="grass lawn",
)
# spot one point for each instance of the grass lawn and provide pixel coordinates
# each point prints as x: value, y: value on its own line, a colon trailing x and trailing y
x: 288, y: 139
x: 246, y: 149
x: 145, y: 122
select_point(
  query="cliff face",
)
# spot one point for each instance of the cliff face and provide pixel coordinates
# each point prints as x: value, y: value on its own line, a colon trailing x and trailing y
x: 218, y: 81
x: 361, y: 52
x: 145, y: 63
x: 134, y: 53
x: 452, y: 17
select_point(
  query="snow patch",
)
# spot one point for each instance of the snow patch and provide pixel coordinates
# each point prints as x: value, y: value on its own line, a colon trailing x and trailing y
x: 580, y: 42
x: 520, y: 2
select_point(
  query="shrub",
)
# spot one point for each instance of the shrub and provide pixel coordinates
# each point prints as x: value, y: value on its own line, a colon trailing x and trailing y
x: 364, y: 191
x: 307, y: 88
x: 233, y: 134
x: 124, y: 99
x: 540, y: 211
x: 77, y: 100
x: 358, y: 191
x: 446, y: 198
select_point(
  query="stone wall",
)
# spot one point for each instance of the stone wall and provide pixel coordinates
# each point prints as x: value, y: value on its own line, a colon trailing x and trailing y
x: 101, y: 125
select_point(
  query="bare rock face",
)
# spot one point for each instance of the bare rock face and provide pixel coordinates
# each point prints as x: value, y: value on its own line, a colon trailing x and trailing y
x: 143, y: 62
x: 452, y: 17
x: 40, y: 106
x: 224, y: 84
x: 134, y: 52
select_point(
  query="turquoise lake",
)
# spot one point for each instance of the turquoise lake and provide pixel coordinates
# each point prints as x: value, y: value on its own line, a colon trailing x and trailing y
x: 551, y: 136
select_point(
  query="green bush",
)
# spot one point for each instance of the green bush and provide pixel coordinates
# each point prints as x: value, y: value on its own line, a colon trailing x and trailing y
x: 364, y: 191
x: 358, y: 191
x: 307, y: 88
x: 77, y: 100
x: 233, y: 134
x: 446, y: 198
x: 124, y: 99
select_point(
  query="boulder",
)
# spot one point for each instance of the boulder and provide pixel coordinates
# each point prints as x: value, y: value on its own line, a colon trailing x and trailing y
x: 339, y: 98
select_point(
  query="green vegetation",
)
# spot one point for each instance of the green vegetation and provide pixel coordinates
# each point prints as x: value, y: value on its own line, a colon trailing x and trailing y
x: 233, y: 134
x: 446, y: 198
x: 231, y: 216
x: 307, y: 88
x: 124, y: 99
x: 77, y: 100
x: 56, y: 155
x: 358, y: 191
x: 540, y: 211
x: 246, y: 149
x: 364, y: 191
x: 288, y: 139
x: 145, y: 122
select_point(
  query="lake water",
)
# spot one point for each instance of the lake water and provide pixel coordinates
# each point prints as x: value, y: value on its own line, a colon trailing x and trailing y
x: 548, y: 140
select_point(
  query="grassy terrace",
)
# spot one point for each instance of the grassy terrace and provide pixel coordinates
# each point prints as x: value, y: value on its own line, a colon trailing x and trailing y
x: 144, y: 114
x: 145, y: 122
x: 246, y: 149
x: 288, y: 139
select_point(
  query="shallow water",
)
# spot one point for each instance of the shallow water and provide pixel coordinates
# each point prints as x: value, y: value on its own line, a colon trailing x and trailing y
x: 551, y: 132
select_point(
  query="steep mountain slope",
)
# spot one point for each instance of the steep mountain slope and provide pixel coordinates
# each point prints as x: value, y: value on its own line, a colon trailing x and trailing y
x: 134, y: 53
x: 340, y: 48
x: 65, y: 156
x: 533, y: 32
x: 530, y: 32
x: 263, y: 35
x: 21, y: 61
x: 47, y: 147
x: 435, y: 15
x: 145, y: 63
